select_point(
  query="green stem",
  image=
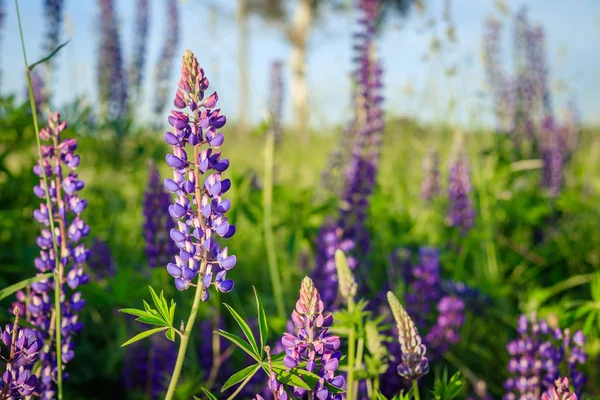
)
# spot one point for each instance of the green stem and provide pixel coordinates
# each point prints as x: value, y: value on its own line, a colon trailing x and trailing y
x: 185, y: 338
x: 57, y: 272
x: 351, y: 356
x: 357, y: 365
x: 268, y: 224
x: 415, y: 386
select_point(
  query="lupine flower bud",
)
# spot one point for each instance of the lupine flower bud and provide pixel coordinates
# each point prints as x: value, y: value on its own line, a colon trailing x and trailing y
x: 276, y: 99
x: 347, y: 285
x: 560, y: 391
x: 200, y: 206
x: 311, y: 340
x: 414, y: 364
x: 461, y: 211
x: 430, y: 186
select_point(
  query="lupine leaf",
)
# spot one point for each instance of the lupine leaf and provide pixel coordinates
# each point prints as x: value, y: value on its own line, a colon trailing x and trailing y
x: 143, y: 335
x: 289, y: 377
x: 263, y: 326
x: 170, y: 334
x: 308, y: 378
x: 152, y: 320
x: 240, y: 376
x: 7, y: 291
x: 160, y: 305
x: 240, y: 343
x: 172, y: 312
x: 245, y: 328
x: 32, y: 66
x: 208, y: 394
x: 135, y: 311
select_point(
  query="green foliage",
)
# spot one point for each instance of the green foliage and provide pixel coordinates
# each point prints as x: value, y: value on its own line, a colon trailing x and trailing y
x: 445, y: 389
x: 4, y: 293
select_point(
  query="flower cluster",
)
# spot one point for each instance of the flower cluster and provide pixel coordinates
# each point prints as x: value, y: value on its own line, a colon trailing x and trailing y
x: 312, y: 343
x: 430, y: 186
x: 552, y: 157
x: 461, y: 212
x: 157, y: 223
x: 560, y: 391
x: 200, y: 206
x: 450, y: 319
x: 276, y: 99
x: 414, y: 364
x: 165, y: 60
x: 59, y: 164
x: 100, y: 260
x: 112, y: 78
x: 136, y: 70
x: 424, y: 286
x: 538, y: 356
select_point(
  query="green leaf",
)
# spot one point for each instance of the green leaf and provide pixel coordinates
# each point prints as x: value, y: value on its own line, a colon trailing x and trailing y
x: 245, y: 328
x: 170, y: 334
x: 207, y: 394
x: 241, y: 343
x: 172, y: 312
x: 152, y: 320
x: 7, y: 291
x: 32, y: 66
x: 240, y: 376
x: 143, y: 335
x: 160, y: 303
x: 136, y: 312
x: 289, y: 377
x: 262, y: 322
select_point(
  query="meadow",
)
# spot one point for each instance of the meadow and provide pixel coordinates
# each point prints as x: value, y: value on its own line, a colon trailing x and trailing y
x: 447, y: 216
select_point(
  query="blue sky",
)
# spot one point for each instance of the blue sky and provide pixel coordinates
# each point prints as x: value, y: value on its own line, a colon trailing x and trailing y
x: 412, y: 86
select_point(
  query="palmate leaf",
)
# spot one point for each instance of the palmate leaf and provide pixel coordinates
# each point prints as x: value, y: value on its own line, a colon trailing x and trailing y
x: 262, y: 322
x: 7, y: 291
x: 143, y: 335
x: 245, y: 328
x: 240, y: 376
x: 241, y: 343
x: 160, y: 303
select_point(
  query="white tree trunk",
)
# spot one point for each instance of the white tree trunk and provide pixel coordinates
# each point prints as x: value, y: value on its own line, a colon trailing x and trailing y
x: 298, y: 35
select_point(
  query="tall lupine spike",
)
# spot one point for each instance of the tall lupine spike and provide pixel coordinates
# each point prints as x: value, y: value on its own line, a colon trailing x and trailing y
x: 461, y: 212
x: 165, y: 60
x: 424, y: 288
x: 138, y: 65
x: 560, y: 391
x: 53, y: 13
x: 111, y: 74
x: 430, y: 186
x: 276, y: 99
x: 200, y: 206
x: 100, y: 261
x: 446, y: 330
x: 539, y: 355
x: 59, y: 163
x: 312, y: 343
x: 414, y: 364
x: 552, y: 156
x: 347, y: 284
x: 37, y: 85
x: 157, y: 222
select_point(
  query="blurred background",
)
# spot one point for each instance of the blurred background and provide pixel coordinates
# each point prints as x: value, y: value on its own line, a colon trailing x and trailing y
x: 452, y: 89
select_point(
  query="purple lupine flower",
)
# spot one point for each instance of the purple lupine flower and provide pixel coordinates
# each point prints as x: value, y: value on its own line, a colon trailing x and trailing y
x: 312, y: 343
x: 112, y: 77
x: 445, y: 332
x: 148, y: 365
x: 424, y: 288
x: 325, y: 274
x: 461, y: 212
x: 157, y: 223
x: 165, y: 60
x: 59, y: 163
x: 275, y: 104
x: 560, y: 391
x: 200, y: 206
x: 537, y: 357
x: 414, y: 364
x: 136, y: 70
x: 37, y: 86
x: 430, y: 185
x: 552, y: 157
x: 100, y: 260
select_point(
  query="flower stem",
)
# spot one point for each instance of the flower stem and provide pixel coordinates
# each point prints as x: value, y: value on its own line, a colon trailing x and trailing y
x: 351, y: 356
x: 415, y: 386
x: 184, y: 341
x: 268, y: 224
x: 58, y: 275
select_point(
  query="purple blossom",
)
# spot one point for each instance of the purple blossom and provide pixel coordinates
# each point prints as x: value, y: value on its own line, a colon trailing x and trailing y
x: 312, y: 343
x: 157, y: 223
x: 200, y: 206
x: 424, y: 288
x: 552, y: 157
x: 165, y: 60
x: 461, y: 212
x: 537, y: 357
x: 112, y: 78
x: 100, y: 260
x: 446, y: 330
x: 560, y: 391
x: 59, y: 163
x: 136, y: 70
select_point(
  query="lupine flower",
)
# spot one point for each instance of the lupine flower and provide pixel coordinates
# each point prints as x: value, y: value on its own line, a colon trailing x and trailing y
x: 424, y: 287
x: 112, y: 78
x: 537, y: 357
x: 53, y: 13
x: 461, y: 212
x: 136, y: 70
x: 325, y: 274
x: 59, y: 163
x: 200, y: 206
x: 311, y: 343
x: 347, y: 284
x: 157, y: 223
x: 430, y: 186
x: 414, y: 364
x: 276, y: 99
x: 165, y: 60
x: 552, y: 157
x: 560, y: 391
x: 37, y: 86
x: 100, y: 260
x: 450, y: 319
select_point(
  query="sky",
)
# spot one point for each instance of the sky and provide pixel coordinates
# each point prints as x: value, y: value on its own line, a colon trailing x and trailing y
x: 414, y: 86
